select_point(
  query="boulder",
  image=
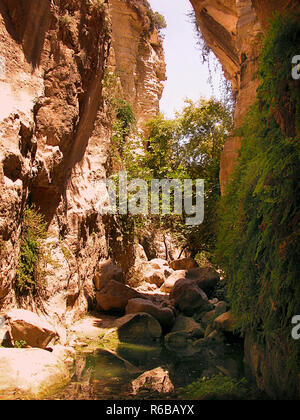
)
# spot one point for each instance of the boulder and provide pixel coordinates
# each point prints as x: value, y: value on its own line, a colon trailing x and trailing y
x: 26, y: 326
x: 186, y: 323
x: 185, y: 332
x: 167, y: 271
x: 206, y: 278
x: 225, y: 322
x: 66, y: 354
x: 164, y: 316
x: 208, y: 317
x: 156, y: 380
x: 114, y: 296
x: 154, y: 276
x: 138, y: 328
x: 188, y: 297
x: 140, y: 254
x: 158, y: 263
x: 172, y: 279
x: 183, y: 264
x: 107, y: 271
x: 152, y: 272
x: 30, y: 373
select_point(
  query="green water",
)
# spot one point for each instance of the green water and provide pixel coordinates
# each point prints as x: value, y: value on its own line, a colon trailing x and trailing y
x: 105, y: 375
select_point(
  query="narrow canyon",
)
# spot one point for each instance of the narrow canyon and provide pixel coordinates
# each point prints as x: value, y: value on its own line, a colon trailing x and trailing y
x: 79, y: 79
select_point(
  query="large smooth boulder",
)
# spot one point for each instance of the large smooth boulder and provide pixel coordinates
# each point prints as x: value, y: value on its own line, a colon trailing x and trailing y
x: 29, y: 328
x: 30, y: 373
x: 164, y: 316
x: 183, y: 264
x: 172, y: 279
x: 114, y: 296
x: 189, y: 298
x: 107, y: 271
x: 155, y: 380
x: 138, y: 328
x: 206, y: 278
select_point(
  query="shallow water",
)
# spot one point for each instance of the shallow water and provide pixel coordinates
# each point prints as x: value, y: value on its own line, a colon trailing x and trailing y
x: 106, y: 375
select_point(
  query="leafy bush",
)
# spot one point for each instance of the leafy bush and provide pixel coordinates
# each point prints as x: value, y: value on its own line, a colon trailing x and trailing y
x: 20, y: 344
x: 159, y: 21
x: 122, y: 126
x: 34, y: 257
x: 258, y: 240
x: 217, y: 387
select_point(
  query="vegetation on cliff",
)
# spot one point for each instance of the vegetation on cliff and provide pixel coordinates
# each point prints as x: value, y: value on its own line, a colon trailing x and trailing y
x: 258, y: 234
x: 34, y: 255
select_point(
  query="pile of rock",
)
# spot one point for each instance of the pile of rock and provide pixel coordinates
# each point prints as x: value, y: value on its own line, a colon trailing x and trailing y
x: 169, y: 303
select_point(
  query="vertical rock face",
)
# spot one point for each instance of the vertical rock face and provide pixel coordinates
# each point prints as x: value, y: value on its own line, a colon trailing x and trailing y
x: 137, y: 57
x: 54, y: 136
x: 55, y: 132
x: 233, y: 29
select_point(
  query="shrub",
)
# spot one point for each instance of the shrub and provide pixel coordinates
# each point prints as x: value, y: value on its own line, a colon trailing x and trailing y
x: 216, y: 387
x: 34, y: 256
x: 96, y: 6
x: 159, y: 21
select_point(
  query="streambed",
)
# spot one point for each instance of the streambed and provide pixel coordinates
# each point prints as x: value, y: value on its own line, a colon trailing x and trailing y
x: 105, y: 374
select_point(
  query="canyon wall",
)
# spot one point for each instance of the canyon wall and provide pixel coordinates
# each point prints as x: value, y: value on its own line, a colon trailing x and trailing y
x: 234, y: 29
x: 55, y: 131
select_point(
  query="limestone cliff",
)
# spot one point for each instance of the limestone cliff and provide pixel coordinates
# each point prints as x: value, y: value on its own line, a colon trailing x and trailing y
x: 55, y: 132
x: 137, y: 57
x: 233, y: 29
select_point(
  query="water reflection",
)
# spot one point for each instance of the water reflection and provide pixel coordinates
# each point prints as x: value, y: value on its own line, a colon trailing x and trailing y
x: 107, y: 374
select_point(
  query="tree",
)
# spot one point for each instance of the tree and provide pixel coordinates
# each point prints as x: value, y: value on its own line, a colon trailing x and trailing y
x: 187, y: 147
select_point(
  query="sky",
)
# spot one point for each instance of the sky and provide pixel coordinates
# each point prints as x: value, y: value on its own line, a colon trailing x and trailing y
x: 187, y: 76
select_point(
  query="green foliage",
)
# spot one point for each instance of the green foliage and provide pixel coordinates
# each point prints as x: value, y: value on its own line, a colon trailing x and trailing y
x: 277, y: 89
x: 20, y: 344
x: 123, y: 125
x: 65, y: 22
x: 33, y: 254
x: 216, y: 387
x: 187, y: 147
x: 159, y: 21
x: 96, y: 6
x: 258, y: 243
